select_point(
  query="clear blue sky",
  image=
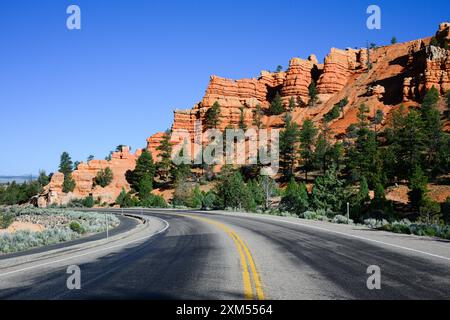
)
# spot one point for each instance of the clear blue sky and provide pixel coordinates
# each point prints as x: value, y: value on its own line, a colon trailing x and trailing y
x: 118, y: 79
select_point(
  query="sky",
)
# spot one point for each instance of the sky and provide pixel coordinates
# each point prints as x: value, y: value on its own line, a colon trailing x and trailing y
x: 118, y: 79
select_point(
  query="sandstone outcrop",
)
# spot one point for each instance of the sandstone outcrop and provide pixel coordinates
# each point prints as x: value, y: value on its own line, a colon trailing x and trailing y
x: 399, y: 73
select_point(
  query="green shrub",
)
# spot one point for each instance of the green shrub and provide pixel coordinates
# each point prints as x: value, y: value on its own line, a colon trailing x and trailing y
x: 6, y: 219
x: 104, y: 177
x: 76, y: 227
x: 208, y: 200
x: 333, y: 113
x: 88, y: 202
x: 153, y: 201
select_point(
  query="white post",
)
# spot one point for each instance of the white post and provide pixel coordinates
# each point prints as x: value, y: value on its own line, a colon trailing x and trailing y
x: 348, y: 213
x: 107, y: 226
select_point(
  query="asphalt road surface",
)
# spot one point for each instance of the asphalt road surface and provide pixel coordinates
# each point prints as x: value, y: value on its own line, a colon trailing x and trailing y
x: 188, y: 255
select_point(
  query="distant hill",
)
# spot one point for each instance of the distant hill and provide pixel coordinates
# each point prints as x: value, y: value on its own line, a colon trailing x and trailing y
x: 18, y: 179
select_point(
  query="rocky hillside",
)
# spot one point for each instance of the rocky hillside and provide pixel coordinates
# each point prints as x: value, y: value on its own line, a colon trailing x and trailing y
x: 398, y: 74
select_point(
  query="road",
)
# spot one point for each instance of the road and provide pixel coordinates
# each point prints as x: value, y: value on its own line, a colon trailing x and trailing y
x: 237, y: 256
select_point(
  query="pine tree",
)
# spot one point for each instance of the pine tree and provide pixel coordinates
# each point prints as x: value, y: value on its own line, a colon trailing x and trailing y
x: 276, y: 106
x: 145, y: 186
x: 300, y: 102
x: 90, y: 158
x: 322, y: 152
x: 232, y: 192
x: 418, y: 188
x: 295, y: 198
x: 328, y: 192
x: 144, y: 168
x: 288, y: 147
x: 43, y: 179
x: 65, y: 167
x: 432, y: 130
x: 394, y: 40
x: 164, y: 165
x: 379, y: 200
x: 308, y: 134
x: 212, y: 116
x: 312, y: 92
x: 256, y: 191
x: 65, y: 164
x: 104, y: 177
x: 377, y: 119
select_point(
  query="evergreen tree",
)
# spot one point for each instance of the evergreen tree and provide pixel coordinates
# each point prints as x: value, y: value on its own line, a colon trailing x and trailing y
x: 418, y: 188
x: 212, y: 116
x: 434, y: 42
x: 308, y: 134
x: 43, y: 179
x: 322, y: 152
x: 363, y: 157
x: 65, y: 164
x: 65, y: 167
x: 433, y: 131
x: 312, y: 92
x: 328, y: 192
x: 300, y: 102
x: 90, y: 158
x: 359, y: 205
x: 379, y: 200
x: 104, y: 177
x: 164, y: 165
x: 256, y: 191
x: 232, y: 192
x: 276, y: 106
x: 145, y: 186
x: 410, y: 143
x: 377, y: 119
x: 394, y: 40
x: 125, y: 200
x: 295, y: 198
x: 144, y: 168
x: 279, y: 68
x: 288, y: 147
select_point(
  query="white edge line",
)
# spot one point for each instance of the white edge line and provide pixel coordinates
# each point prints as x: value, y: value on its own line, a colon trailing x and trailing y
x: 89, y: 253
x: 355, y: 236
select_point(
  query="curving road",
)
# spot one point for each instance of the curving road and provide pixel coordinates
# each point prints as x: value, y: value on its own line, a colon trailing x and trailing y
x: 237, y: 256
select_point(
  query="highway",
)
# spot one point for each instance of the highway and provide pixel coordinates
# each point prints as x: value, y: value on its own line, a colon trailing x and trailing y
x: 192, y: 255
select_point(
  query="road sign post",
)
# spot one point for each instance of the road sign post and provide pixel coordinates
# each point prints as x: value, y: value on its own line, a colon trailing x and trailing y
x: 107, y: 225
x: 348, y: 213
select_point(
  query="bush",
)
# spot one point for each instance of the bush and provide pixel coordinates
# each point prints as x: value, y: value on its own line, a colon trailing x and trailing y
x: 208, y: 200
x: 153, y: 201
x: 76, y: 227
x: 104, y: 177
x: 88, y: 202
x: 333, y: 113
x: 81, y: 222
x: 6, y: 219
x: 341, y: 219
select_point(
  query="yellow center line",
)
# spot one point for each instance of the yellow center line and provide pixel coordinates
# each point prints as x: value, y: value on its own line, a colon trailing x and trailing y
x: 245, y: 256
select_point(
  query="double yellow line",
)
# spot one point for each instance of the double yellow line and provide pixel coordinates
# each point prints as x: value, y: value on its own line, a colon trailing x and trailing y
x: 252, y: 289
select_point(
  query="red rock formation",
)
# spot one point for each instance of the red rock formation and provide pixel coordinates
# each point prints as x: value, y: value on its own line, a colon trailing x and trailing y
x: 399, y: 73
x: 339, y: 66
